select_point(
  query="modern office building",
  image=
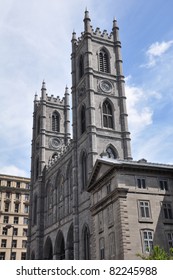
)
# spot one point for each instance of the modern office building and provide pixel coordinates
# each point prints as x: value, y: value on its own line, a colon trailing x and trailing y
x: 14, y: 212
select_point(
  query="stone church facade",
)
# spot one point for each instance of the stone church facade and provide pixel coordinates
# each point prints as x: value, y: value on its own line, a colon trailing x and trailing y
x: 89, y: 199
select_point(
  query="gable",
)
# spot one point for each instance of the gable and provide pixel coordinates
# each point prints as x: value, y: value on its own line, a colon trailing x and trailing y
x: 99, y: 171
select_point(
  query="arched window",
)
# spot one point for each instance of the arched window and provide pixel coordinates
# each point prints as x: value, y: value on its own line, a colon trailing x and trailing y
x: 84, y: 170
x: 103, y: 61
x: 37, y: 169
x: 86, y: 243
x: 107, y: 115
x: 35, y: 210
x: 81, y: 67
x: 38, y: 125
x: 83, y: 119
x: 111, y: 152
x: 69, y: 188
x: 55, y: 122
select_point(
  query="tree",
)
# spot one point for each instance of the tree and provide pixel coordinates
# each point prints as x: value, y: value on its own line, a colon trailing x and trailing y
x: 158, y: 254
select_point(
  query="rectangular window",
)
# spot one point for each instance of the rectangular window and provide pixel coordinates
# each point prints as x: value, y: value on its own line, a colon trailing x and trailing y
x: 3, y: 243
x: 25, y: 232
x: 25, y: 221
x: 17, y: 195
x: 141, y: 183
x: 6, y: 206
x: 14, y: 243
x: 167, y: 210
x: 15, y: 231
x: 108, y: 188
x: 6, y: 219
x: 144, y: 209
x: 24, y: 242
x: 147, y: 240
x: 8, y: 183
x: 170, y: 239
x: 23, y: 256
x: 163, y: 185
x: 2, y: 255
x: 27, y: 186
x: 16, y: 207
x: 4, y: 231
x: 16, y: 220
x: 18, y: 185
x: 13, y: 255
x: 8, y: 194
x: 26, y: 209
x: 26, y: 197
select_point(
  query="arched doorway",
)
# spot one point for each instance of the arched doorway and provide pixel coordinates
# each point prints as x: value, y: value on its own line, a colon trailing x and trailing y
x: 59, y: 246
x: 70, y: 247
x: 48, y: 249
x: 86, y: 242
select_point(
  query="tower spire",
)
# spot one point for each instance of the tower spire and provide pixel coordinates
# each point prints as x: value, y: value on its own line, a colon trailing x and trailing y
x: 43, y: 90
x: 87, y: 20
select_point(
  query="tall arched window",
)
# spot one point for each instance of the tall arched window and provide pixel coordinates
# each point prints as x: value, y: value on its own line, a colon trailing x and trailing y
x: 111, y: 152
x: 86, y: 243
x: 107, y: 115
x: 38, y: 125
x: 55, y: 122
x: 35, y: 210
x: 37, y: 169
x: 84, y: 170
x: 103, y: 61
x: 69, y: 188
x: 83, y: 119
x: 81, y: 67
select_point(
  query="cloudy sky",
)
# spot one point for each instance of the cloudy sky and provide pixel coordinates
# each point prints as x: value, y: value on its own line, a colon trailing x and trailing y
x: 35, y: 44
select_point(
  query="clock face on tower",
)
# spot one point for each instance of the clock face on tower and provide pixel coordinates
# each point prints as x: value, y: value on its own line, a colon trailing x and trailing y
x: 105, y: 86
x: 54, y: 142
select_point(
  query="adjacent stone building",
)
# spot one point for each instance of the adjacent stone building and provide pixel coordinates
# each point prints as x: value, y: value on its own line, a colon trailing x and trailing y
x: 14, y: 214
x: 89, y: 200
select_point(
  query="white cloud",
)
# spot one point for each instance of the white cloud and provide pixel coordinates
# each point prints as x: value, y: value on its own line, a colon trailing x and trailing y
x: 139, y: 111
x: 155, y: 51
x: 13, y: 170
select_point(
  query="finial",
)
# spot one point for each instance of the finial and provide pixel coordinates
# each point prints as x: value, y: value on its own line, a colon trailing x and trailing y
x: 87, y: 20
x: 74, y: 35
x: 36, y: 96
x: 86, y: 14
x: 114, y: 22
x: 43, y: 85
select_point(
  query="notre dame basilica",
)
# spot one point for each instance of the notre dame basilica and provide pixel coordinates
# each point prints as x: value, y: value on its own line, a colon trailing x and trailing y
x: 89, y: 199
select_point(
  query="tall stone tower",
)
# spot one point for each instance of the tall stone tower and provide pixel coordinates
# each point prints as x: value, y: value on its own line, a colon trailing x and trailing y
x: 99, y: 102
x: 60, y: 216
x: 51, y: 128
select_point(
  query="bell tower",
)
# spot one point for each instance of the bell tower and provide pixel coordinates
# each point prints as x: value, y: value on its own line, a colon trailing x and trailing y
x: 98, y: 94
x: 51, y: 128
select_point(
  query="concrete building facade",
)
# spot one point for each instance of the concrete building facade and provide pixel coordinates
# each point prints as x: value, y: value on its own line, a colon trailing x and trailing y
x: 14, y: 215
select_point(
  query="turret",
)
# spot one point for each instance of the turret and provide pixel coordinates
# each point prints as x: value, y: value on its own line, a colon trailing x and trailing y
x: 121, y: 90
x: 43, y: 90
x: 87, y: 26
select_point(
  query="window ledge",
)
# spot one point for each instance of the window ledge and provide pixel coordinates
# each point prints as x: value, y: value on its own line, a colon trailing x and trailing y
x: 168, y: 221
x: 145, y: 220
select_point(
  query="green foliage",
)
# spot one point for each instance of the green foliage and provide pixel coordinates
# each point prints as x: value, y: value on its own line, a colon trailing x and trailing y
x: 158, y: 254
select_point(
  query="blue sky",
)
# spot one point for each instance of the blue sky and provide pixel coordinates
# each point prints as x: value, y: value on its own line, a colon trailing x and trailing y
x: 35, y: 41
